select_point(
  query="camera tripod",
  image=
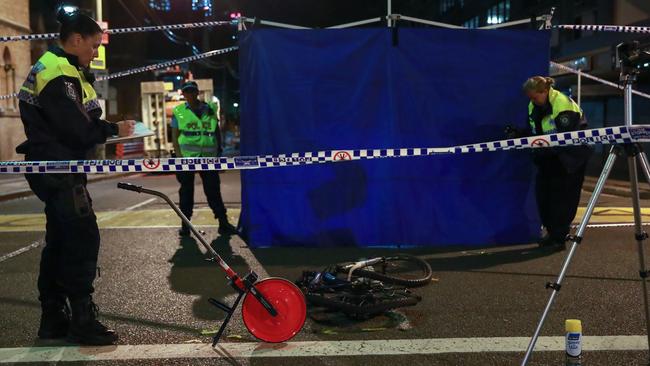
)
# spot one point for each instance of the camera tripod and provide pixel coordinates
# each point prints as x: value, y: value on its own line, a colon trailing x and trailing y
x: 634, y: 154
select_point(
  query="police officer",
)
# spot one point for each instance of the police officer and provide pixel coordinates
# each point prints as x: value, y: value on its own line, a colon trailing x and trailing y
x: 560, y: 170
x: 61, y: 116
x: 195, y: 131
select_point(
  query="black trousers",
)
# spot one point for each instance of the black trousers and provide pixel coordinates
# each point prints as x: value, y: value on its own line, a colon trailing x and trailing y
x: 69, y: 258
x: 211, y: 188
x: 558, y: 195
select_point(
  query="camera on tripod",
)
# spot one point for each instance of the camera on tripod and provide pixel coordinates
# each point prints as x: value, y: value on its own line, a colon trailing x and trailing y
x: 630, y: 57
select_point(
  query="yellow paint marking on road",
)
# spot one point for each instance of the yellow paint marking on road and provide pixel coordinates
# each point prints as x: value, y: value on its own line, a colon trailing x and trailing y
x: 114, y: 219
x: 612, y: 215
x: 203, y: 216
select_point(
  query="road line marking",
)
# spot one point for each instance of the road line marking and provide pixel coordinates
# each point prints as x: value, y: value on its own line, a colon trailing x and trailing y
x: 31, y: 246
x: 314, y: 349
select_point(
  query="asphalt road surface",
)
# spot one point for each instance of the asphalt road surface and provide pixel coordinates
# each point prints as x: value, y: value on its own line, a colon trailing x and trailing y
x: 481, y: 309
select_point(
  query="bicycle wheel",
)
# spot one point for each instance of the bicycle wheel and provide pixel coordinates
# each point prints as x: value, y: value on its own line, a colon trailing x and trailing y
x: 354, y: 304
x: 400, y: 269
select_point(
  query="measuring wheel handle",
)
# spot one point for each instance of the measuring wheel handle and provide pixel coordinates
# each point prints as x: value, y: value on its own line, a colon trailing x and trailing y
x: 249, y: 284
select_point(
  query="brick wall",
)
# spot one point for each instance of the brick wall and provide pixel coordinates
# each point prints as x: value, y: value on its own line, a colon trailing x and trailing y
x: 15, y: 62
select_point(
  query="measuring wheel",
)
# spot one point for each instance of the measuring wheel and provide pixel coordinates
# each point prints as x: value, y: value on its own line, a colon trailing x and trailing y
x: 289, y: 302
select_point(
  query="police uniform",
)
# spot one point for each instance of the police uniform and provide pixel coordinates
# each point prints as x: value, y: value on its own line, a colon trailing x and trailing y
x: 61, y: 117
x: 560, y: 170
x: 199, y: 136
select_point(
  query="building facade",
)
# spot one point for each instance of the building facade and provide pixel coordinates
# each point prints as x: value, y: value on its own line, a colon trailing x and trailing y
x: 14, y: 66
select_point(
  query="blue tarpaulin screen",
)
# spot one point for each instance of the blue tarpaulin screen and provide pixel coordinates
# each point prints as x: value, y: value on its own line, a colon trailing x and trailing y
x: 310, y: 90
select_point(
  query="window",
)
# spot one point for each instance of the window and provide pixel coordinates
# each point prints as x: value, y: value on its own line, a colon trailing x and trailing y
x: 445, y: 5
x: 472, y: 23
x: 9, y: 79
x: 202, y: 5
x: 499, y: 13
x: 162, y: 5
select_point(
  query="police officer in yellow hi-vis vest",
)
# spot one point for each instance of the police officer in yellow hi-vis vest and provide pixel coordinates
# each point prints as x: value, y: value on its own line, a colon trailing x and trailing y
x: 560, y: 170
x: 195, y: 131
x: 61, y: 116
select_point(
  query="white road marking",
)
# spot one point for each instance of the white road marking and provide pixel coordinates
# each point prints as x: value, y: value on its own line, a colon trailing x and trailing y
x: 33, y: 245
x: 314, y: 349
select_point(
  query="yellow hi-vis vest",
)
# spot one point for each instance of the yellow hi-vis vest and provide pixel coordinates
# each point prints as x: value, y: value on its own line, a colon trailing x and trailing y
x: 559, y: 103
x: 48, y: 68
x: 197, y: 135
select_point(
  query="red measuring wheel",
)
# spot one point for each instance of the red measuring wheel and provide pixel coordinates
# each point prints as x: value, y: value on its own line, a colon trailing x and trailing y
x: 287, y: 300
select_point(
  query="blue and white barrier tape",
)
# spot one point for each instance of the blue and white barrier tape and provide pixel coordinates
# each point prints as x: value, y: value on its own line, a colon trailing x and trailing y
x: 46, y: 36
x: 157, y: 66
x: 602, y: 81
x: 609, y: 135
x: 604, y: 28
x: 167, y: 63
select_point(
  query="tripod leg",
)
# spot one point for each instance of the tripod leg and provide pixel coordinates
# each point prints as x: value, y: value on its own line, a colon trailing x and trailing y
x: 645, y: 165
x: 576, y: 240
x: 639, y: 234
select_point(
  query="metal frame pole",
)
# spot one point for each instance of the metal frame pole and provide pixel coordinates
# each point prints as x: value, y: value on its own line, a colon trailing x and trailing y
x: 579, y: 86
x: 389, y: 11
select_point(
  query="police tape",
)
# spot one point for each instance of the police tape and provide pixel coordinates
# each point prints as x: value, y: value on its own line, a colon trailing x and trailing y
x: 157, y: 66
x: 8, y: 96
x: 602, y: 81
x: 608, y: 135
x: 153, y: 28
x: 167, y: 63
x: 604, y: 28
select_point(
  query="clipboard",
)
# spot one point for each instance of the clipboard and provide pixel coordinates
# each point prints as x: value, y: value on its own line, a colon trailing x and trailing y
x: 139, y: 132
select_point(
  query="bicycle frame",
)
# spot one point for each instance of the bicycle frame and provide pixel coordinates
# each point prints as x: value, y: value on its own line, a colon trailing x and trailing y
x: 361, y: 264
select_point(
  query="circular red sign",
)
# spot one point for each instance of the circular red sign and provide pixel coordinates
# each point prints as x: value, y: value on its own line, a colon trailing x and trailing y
x: 540, y: 142
x: 151, y: 163
x: 342, y: 155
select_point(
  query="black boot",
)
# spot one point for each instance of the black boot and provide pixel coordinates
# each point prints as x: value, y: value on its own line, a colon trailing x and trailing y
x: 225, y: 228
x: 55, y: 320
x: 84, y: 326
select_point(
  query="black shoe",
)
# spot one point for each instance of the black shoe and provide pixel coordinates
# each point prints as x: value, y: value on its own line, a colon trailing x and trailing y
x: 84, y: 326
x: 55, y: 320
x: 553, y: 244
x: 225, y: 228
x: 544, y: 241
x: 184, y: 230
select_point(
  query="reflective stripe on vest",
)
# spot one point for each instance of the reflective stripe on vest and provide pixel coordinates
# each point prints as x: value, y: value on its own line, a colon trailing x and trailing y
x: 198, y: 136
x: 48, y: 68
x: 559, y: 103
